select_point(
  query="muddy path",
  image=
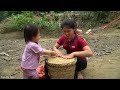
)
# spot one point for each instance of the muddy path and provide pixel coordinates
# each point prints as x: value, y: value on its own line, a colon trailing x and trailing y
x: 105, y: 64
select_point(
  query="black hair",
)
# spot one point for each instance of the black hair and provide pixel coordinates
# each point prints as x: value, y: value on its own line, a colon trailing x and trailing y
x: 69, y: 23
x: 30, y: 31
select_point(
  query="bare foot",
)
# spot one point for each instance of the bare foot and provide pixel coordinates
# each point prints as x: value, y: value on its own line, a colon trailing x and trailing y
x: 80, y: 76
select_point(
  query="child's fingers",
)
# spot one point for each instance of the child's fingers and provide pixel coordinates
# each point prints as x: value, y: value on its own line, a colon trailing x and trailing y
x: 53, y: 56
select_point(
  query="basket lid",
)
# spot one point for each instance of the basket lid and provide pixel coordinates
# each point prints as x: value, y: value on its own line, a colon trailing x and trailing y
x: 59, y: 60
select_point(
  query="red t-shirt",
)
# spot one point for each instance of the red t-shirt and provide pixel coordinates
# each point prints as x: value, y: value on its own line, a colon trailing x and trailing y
x: 77, y: 45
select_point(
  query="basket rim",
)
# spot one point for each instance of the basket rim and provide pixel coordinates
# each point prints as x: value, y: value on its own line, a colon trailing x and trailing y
x: 61, y: 65
x: 64, y: 64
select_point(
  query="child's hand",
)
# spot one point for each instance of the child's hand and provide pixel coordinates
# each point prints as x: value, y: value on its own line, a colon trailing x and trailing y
x: 59, y: 54
x: 53, y: 53
x: 68, y: 56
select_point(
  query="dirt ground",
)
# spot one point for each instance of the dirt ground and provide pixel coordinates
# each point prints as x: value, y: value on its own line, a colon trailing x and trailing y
x: 105, y: 64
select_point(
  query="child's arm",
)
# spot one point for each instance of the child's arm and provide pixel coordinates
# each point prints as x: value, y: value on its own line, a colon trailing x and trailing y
x: 38, y: 49
x: 49, y: 52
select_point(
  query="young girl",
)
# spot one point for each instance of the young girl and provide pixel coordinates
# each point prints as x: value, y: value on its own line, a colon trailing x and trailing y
x: 79, y: 32
x: 32, y: 52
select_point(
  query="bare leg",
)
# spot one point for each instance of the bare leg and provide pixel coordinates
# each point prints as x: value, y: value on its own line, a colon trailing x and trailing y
x: 80, y: 76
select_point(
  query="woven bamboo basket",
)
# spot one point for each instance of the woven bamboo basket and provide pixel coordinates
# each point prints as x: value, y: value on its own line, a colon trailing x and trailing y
x: 59, y: 68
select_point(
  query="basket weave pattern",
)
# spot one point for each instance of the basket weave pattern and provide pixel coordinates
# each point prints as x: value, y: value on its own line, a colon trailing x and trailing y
x: 61, y: 71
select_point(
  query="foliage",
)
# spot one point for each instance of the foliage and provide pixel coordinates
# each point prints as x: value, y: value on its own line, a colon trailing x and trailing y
x: 17, y: 22
x: 49, y: 21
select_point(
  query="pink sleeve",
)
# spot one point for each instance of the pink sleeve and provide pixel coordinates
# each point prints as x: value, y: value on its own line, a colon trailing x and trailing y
x: 61, y: 40
x: 37, y: 48
x: 82, y: 42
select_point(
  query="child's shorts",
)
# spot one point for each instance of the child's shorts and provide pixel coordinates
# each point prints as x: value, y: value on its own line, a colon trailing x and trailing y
x: 30, y: 74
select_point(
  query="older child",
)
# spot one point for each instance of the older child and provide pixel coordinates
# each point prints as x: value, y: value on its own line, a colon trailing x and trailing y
x: 75, y: 46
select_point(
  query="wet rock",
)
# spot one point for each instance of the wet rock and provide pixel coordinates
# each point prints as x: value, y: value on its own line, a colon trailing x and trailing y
x: 4, y: 54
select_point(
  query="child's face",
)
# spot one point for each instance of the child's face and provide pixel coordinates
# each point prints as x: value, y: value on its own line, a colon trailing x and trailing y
x: 79, y: 32
x: 69, y: 32
x: 36, y: 38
